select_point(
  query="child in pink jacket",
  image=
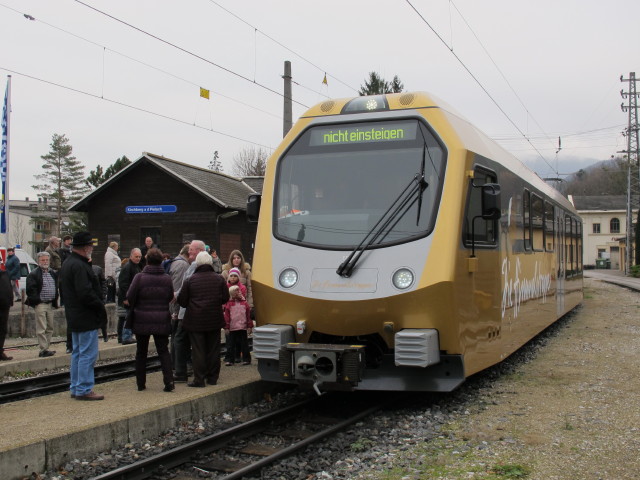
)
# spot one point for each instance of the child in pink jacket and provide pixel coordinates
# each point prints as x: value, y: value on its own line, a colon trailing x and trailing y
x: 238, y: 325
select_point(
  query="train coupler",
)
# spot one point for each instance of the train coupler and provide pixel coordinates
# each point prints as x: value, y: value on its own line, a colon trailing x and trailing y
x: 322, y: 364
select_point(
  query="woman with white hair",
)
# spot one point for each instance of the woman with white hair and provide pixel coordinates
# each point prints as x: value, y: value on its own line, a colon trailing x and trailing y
x: 203, y: 294
x: 111, y: 270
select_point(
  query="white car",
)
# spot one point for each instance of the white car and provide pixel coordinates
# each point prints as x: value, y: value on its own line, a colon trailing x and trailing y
x: 27, y: 263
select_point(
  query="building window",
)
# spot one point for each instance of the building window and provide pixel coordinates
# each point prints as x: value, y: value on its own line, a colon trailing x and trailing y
x: 614, y: 225
x: 596, y: 228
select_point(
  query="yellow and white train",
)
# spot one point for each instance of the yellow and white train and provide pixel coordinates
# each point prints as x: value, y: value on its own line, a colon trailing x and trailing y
x: 399, y: 248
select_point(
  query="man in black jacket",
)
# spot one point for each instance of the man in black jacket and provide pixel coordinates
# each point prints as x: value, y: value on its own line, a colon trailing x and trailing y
x: 130, y: 270
x: 85, y: 314
x: 6, y: 301
x: 42, y: 295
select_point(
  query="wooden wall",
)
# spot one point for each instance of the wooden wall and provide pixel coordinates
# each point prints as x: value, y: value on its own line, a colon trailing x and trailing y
x: 195, y: 217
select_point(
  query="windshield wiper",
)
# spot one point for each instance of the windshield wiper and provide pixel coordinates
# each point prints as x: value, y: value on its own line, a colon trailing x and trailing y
x: 396, y: 211
x: 424, y: 157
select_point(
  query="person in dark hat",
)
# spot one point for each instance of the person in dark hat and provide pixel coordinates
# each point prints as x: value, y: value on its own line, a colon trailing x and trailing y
x: 85, y: 313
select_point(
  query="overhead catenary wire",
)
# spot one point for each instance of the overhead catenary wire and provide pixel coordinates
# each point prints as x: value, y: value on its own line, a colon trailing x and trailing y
x: 504, y: 77
x: 301, y: 57
x: 133, y: 107
x: 136, y: 60
x: 188, y: 52
x: 477, y: 81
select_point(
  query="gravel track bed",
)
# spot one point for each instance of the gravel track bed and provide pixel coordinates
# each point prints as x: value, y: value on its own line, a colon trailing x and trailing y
x: 553, y: 410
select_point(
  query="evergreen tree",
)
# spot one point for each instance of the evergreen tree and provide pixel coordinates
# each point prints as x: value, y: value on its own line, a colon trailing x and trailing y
x: 377, y: 85
x: 62, y: 182
x: 216, y: 164
x: 98, y: 176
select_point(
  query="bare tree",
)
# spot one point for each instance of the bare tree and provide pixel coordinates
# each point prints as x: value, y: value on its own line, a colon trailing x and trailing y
x: 250, y: 162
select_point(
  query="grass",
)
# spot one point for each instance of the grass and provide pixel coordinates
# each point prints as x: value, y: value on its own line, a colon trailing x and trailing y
x: 452, y: 460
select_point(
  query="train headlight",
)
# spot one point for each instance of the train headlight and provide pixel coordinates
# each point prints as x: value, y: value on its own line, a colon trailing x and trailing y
x: 402, y: 278
x: 288, y: 277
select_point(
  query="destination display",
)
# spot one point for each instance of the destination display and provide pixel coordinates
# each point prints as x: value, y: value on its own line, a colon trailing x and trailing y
x: 369, y: 133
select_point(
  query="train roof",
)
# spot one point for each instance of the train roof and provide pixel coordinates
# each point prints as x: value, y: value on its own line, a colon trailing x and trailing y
x: 471, y: 137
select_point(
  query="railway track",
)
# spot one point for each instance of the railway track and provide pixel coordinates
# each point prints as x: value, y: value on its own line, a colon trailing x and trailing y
x: 59, y: 382
x: 246, y: 448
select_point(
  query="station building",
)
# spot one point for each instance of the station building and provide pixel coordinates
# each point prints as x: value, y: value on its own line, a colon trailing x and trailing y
x: 173, y: 203
x: 604, y: 229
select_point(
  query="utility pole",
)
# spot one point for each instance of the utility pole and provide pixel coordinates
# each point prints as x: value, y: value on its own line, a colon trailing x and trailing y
x: 633, y: 177
x: 287, y: 121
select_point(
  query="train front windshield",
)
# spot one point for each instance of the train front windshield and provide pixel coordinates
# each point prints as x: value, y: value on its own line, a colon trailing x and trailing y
x: 336, y: 182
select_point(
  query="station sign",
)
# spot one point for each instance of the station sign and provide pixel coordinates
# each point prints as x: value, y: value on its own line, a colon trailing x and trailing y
x: 151, y: 209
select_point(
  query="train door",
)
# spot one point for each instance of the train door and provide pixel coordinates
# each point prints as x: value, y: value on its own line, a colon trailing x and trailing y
x: 560, y: 259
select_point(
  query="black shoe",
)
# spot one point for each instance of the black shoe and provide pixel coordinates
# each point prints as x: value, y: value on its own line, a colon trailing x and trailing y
x: 194, y: 384
x: 180, y: 378
x: 211, y: 381
x: 106, y: 339
x: 5, y: 357
x: 69, y: 350
x: 140, y: 388
x: 47, y: 353
x: 128, y: 342
x: 169, y: 388
x: 246, y: 363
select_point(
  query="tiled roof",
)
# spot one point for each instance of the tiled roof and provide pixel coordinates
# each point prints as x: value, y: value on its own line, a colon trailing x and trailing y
x: 225, y: 190
x: 255, y: 183
x: 600, y: 202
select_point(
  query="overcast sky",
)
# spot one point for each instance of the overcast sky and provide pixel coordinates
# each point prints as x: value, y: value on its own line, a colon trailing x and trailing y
x: 125, y: 79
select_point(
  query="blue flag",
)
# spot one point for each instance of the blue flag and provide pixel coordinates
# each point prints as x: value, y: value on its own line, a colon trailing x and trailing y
x: 4, y: 161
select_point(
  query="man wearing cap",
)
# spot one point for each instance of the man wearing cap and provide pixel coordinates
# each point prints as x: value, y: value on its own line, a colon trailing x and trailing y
x: 85, y: 312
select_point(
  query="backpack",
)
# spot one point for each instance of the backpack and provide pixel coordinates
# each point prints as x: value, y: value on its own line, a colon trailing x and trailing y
x: 166, y: 265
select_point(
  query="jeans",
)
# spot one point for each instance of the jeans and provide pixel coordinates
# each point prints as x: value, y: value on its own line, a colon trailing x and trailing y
x: 182, y: 348
x: 127, y: 334
x: 83, y: 359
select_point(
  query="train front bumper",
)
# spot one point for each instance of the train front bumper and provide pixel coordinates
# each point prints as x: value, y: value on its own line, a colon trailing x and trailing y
x: 415, y: 365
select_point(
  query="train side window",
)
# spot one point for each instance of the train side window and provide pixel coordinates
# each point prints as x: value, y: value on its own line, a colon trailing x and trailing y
x: 526, y: 219
x: 537, y: 223
x: 568, y: 246
x: 484, y: 232
x: 579, y: 244
x: 549, y: 224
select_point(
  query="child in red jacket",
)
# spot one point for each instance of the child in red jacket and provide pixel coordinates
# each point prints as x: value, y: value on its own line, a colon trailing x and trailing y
x: 238, y: 325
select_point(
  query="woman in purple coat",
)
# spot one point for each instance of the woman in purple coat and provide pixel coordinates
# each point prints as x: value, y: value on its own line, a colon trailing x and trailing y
x: 149, y: 296
x: 203, y: 294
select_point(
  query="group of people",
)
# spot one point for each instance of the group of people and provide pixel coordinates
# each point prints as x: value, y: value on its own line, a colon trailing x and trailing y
x: 188, y: 299
x: 207, y: 299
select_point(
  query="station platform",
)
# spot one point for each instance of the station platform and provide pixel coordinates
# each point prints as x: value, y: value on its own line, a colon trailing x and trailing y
x: 615, y: 277
x: 46, y: 432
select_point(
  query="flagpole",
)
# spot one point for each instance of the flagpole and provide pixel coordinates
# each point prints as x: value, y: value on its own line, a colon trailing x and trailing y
x: 4, y: 161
